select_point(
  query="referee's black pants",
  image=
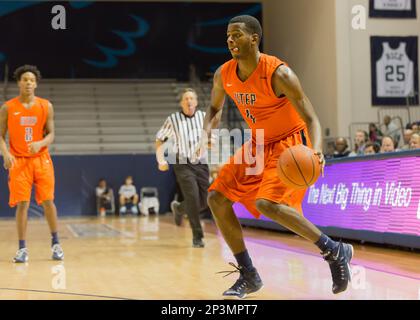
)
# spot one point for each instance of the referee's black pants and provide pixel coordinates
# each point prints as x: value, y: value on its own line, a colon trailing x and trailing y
x: 193, y: 180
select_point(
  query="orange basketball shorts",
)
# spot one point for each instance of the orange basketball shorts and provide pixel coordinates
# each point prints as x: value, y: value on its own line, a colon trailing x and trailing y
x: 236, y: 184
x: 25, y: 173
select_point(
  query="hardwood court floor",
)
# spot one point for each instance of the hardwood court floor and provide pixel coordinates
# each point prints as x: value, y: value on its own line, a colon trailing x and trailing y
x: 150, y: 258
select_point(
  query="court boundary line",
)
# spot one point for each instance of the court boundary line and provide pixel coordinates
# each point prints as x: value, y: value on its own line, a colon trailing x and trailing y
x: 121, y: 233
x: 106, y: 225
x: 70, y: 228
x: 65, y: 293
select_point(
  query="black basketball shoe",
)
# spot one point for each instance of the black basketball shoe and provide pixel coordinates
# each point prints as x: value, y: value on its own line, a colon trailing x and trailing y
x: 339, y: 260
x: 249, y: 281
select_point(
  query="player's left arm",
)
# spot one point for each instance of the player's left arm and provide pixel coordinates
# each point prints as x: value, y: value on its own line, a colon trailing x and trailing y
x: 286, y: 82
x: 35, y: 146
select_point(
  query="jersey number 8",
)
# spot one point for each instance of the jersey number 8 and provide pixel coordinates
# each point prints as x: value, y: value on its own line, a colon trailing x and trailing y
x: 28, y: 134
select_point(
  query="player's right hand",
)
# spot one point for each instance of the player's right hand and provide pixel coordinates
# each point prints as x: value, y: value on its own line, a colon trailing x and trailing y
x: 321, y: 161
x: 9, y: 161
x: 163, y: 166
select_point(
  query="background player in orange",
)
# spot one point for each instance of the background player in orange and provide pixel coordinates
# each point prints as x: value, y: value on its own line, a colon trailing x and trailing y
x: 30, y: 122
x: 269, y: 96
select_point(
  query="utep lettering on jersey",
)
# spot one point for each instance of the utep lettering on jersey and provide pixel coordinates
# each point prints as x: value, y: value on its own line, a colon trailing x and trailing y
x: 246, y: 99
x: 28, y: 121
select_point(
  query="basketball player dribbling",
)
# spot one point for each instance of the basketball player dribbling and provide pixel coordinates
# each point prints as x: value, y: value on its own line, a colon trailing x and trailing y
x: 269, y: 96
x: 30, y: 123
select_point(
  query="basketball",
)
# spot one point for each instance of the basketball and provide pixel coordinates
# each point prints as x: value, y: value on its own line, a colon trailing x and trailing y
x: 298, y: 167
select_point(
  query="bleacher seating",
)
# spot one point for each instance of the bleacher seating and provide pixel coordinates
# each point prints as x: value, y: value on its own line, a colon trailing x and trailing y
x: 109, y: 117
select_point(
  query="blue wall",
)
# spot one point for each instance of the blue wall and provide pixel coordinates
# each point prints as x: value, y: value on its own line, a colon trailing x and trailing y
x: 77, y: 177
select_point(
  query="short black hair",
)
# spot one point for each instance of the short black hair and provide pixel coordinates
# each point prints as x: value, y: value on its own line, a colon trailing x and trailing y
x: 27, y: 68
x: 375, y: 145
x: 251, y: 23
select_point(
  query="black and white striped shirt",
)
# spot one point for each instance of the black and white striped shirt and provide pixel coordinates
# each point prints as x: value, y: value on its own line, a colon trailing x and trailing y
x: 185, y: 132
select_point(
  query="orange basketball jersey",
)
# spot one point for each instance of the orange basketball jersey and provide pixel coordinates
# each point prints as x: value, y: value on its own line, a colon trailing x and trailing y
x: 26, y: 126
x: 257, y: 102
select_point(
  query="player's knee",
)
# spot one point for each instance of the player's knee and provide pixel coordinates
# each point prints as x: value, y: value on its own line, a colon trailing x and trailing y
x: 48, y: 204
x: 265, y: 206
x: 23, y: 205
x: 216, y: 199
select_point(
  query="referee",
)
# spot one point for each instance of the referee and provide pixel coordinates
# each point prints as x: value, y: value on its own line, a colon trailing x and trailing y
x: 184, y: 129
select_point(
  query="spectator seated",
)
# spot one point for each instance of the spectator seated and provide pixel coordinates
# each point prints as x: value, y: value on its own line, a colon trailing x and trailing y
x: 341, y: 148
x: 128, y: 197
x: 105, y: 201
x: 415, y: 141
x: 388, y: 144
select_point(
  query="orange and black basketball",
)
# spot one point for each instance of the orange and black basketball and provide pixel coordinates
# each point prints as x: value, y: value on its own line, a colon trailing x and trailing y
x: 298, y: 167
